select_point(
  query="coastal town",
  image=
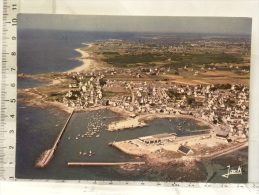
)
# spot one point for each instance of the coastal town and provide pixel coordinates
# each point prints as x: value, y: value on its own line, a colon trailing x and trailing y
x: 203, y: 79
x: 160, y: 89
x: 225, y: 105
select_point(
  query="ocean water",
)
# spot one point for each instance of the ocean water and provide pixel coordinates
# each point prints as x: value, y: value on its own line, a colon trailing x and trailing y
x: 38, y: 129
x: 47, y: 51
x: 23, y: 83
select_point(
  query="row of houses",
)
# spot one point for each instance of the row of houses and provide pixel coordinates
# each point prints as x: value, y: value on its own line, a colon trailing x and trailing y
x: 218, y: 106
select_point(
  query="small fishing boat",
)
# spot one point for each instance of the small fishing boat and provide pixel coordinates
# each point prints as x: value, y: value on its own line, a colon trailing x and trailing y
x: 68, y: 138
x: 76, y: 137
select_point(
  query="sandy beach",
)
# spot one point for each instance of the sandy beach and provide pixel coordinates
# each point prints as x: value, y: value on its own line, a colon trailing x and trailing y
x: 88, y: 63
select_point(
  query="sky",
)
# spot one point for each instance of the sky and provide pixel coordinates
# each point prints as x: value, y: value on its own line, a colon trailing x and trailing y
x: 165, y: 24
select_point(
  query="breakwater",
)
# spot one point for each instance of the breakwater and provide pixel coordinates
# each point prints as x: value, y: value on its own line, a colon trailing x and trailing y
x: 47, y: 155
x: 103, y: 163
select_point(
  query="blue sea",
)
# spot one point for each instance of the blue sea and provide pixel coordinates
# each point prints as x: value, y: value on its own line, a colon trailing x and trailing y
x: 47, y: 51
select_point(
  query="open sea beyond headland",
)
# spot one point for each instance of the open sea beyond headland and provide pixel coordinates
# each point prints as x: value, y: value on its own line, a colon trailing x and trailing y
x: 37, y: 128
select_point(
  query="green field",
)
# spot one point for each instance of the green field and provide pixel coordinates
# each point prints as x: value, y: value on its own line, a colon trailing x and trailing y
x: 172, y: 60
